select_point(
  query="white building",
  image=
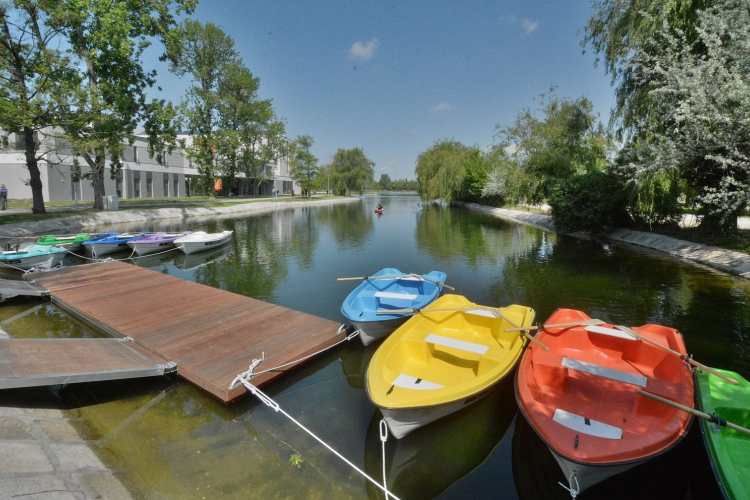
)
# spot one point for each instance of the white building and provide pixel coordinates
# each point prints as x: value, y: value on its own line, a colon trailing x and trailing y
x: 140, y: 176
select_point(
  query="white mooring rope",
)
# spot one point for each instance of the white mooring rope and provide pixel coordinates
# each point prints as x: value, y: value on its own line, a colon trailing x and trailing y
x: 275, y: 406
x: 244, y: 379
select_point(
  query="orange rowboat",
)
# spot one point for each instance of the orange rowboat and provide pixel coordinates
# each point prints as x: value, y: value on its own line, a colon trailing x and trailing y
x: 580, y: 396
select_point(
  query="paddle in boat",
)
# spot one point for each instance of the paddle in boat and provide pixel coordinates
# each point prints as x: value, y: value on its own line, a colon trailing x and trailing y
x: 154, y: 242
x: 200, y: 240
x: 388, y: 289
x: 443, y: 359
x: 72, y: 243
x: 32, y: 256
x: 728, y: 448
x: 580, y: 395
x: 110, y: 243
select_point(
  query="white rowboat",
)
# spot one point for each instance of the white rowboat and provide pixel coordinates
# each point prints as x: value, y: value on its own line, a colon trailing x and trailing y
x: 199, y: 241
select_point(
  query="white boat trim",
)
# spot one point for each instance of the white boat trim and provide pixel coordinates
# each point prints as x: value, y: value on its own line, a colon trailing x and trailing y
x: 586, y: 425
x: 409, y: 382
x: 457, y: 344
x: 609, y: 331
x: 394, y: 295
x: 603, y: 371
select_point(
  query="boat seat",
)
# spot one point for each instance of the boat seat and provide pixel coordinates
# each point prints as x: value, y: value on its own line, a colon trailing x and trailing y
x: 612, y: 332
x: 409, y: 382
x: 585, y: 425
x: 457, y: 344
x: 602, y: 371
x: 393, y: 295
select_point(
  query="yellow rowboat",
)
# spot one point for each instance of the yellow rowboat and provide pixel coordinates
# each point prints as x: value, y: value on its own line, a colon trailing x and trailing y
x: 443, y: 359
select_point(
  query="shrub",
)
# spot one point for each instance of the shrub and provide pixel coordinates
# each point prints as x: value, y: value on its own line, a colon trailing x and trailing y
x: 589, y: 203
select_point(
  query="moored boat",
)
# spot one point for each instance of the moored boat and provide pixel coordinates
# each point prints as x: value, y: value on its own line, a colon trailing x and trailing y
x: 443, y: 359
x: 33, y: 256
x: 389, y: 288
x: 200, y: 240
x: 728, y: 449
x: 154, y: 242
x: 110, y: 243
x: 580, y: 396
x: 72, y: 243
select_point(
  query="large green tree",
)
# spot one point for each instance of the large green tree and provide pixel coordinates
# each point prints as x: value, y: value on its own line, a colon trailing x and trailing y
x: 700, y: 87
x: 34, y: 80
x: 107, y: 38
x: 562, y: 139
x: 207, y: 55
x: 441, y: 170
x: 351, y: 171
x: 305, y: 164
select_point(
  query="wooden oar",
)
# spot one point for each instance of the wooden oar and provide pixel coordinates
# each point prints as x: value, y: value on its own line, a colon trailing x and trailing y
x: 711, y: 418
x: 397, y: 276
x: 587, y: 322
x: 687, y: 359
x: 466, y: 310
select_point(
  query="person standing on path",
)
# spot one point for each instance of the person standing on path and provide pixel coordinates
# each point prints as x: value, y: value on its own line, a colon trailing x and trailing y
x: 3, y: 196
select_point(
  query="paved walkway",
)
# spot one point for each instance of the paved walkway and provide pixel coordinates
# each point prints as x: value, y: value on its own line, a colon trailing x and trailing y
x: 719, y: 258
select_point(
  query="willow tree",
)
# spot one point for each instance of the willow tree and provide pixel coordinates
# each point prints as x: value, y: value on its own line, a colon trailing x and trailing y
x: 107, y: 39
x: 351, y: 171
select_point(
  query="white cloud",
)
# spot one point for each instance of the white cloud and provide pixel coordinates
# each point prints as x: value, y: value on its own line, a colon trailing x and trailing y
x: 444, y: 106
x: 529, y: 26
x: 363, y: 51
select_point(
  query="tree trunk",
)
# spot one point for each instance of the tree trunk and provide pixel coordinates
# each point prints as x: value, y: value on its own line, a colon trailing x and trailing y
x: 35, y: 178
x: 97, y: 182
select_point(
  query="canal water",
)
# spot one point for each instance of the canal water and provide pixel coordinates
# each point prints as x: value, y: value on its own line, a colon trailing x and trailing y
x: 171, y: 441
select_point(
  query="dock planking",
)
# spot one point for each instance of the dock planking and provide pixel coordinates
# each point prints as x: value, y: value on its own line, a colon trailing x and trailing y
x: 211, y: 335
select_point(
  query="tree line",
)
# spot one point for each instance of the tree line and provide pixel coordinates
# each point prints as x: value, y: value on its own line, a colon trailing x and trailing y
x: 678, y: 136
x: 73, y: 72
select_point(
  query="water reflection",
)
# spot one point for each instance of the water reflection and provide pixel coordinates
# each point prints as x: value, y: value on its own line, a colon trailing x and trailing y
x: 444, y: 451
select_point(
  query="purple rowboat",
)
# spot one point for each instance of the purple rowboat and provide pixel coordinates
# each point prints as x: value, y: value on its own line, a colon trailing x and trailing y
x: 154, y: 242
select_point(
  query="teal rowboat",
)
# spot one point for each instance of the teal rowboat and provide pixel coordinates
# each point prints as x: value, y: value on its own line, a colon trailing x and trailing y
x: 728, y: 449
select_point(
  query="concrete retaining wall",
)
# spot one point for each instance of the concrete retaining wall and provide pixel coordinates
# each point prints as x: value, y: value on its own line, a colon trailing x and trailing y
x: 726, y: 260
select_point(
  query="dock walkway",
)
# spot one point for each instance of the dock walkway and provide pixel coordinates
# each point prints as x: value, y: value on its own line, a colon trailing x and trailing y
x: 210, y: 334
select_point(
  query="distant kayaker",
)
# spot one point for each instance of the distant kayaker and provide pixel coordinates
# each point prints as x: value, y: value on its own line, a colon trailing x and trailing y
x: 380, y: 207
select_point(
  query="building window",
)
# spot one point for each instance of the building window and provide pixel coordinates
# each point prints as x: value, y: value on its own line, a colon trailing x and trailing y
x: 136, y: 156
x: 136, y: 184
x: 165, y: 182
x: 164, y: 159
x: 149, y: 185
x: 118, y: 184
x: 176, y: 191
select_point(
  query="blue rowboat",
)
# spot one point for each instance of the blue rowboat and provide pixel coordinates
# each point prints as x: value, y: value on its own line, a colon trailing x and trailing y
x: 394, y: 290
x: 110, y: 243
x: 39, y: 256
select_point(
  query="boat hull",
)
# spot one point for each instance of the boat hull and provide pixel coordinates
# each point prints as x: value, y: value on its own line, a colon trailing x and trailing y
x: 190, y: 247
x: 150, y: 247
x: 581, y: 476
x: 45, y: 261
x: 372, y: 331
x: 728, y: 450
x: 100, y: 249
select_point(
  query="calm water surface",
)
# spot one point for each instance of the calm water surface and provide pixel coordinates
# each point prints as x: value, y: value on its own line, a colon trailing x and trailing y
x: 172, y: 441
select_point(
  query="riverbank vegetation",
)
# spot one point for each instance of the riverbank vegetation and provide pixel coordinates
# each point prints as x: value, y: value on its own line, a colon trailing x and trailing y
x: 678, y: 137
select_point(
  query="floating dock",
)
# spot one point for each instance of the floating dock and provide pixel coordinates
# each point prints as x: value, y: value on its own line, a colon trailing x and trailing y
x: 210, y: 335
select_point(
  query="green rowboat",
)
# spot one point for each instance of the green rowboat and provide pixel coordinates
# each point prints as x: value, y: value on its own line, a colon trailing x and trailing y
x: 72, y: 242
x: 728, y: 449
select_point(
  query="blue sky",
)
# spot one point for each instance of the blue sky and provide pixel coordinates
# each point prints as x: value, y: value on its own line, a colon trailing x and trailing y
x: 394, y: 77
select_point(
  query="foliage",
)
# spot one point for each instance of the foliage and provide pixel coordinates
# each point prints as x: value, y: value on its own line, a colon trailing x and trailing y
x: 654, y: 198
x: 589, y: 203
x: 618, y: 29
x: 305, y: 164
x: 296, y: 460
x: 536, y: 154
x: 207, y: 54
x: 351, y: 171
x: 106, y: 40
x: 385, y: 182
x: 451, y: 171
x: 700, y: 127
x: 34, y: 79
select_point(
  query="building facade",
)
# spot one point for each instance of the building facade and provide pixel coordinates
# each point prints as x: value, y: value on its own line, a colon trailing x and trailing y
x: 140, y: 176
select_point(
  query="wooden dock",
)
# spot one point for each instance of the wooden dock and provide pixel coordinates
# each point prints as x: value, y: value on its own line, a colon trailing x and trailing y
x: 210, y: 334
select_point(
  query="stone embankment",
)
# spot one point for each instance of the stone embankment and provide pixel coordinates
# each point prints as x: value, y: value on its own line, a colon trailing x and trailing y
x: 82, y: 222
x: 725, y: 260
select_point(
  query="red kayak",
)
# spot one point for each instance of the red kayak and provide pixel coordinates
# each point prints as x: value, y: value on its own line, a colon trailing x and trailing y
x: 379, y: 211
x: 580, y: 396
